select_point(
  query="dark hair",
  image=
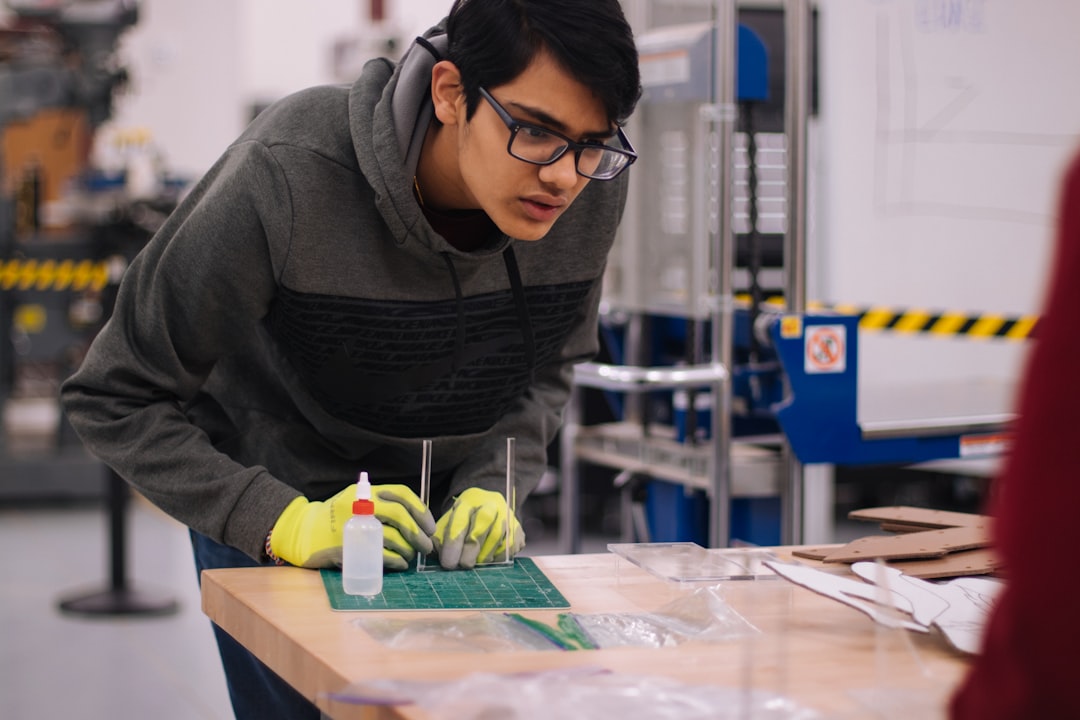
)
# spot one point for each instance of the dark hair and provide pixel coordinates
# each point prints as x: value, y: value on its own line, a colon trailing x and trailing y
x: 493, y: 41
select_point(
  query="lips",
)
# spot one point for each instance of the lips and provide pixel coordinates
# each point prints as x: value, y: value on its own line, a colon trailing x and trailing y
x: 543, y: 208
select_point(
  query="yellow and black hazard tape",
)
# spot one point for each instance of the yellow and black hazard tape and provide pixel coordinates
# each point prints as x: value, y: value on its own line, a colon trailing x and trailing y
x: 941, y: 323
x: 930, y: 322
x: 58, y: 275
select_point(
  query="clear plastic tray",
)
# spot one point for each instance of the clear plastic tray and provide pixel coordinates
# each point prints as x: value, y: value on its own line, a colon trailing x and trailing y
x: 689, y: 562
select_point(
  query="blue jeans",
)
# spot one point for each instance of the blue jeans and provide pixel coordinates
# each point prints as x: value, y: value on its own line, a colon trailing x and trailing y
x: 256, y: 692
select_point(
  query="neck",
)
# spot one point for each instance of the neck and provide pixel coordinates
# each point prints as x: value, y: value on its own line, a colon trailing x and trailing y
x: 437, y: 181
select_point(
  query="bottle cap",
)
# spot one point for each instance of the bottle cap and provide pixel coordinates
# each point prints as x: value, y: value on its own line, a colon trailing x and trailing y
x: 363, y: 507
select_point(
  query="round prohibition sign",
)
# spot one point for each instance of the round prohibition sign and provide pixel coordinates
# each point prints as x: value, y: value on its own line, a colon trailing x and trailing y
x: 826, y: 349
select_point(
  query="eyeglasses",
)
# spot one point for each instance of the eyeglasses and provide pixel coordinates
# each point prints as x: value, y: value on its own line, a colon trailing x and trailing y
x: 541, y: 146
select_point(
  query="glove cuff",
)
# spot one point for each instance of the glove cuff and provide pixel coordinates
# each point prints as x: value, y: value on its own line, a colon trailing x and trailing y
x: 282, y: 537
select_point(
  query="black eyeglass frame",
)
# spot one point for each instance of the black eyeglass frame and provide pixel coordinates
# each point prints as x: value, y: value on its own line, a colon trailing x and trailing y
x: 513, y: 126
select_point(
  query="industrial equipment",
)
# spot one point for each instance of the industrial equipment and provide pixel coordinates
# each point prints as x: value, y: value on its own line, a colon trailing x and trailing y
x: 65, y: 233
x: 722, y: 382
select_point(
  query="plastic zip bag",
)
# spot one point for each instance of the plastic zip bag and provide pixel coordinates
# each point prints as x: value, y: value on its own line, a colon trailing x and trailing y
x: 575, y: 692
x: 701, y: 616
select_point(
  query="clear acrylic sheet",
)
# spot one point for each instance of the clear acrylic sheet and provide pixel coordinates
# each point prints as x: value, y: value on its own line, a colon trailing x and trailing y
x: 689, y: 562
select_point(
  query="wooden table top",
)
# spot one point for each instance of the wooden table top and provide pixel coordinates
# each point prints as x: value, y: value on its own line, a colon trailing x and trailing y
x: 817, y: 651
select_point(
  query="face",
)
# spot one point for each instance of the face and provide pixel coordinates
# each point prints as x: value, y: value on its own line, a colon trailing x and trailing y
x: 522, y: 199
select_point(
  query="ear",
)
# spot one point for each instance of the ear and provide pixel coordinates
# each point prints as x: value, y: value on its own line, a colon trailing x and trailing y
x: 447, y: 93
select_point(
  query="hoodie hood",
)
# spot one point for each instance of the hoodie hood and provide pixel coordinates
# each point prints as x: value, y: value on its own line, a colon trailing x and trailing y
x: 389, y: 113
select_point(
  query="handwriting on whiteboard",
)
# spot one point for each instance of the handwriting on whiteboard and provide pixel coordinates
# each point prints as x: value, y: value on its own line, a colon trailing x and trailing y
x: 953, y: 16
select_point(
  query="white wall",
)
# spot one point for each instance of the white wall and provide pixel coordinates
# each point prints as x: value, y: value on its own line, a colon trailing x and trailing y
x: 184, y: 60
x: 198, y: 66
x: 944, y: 128
x: 287, y: 43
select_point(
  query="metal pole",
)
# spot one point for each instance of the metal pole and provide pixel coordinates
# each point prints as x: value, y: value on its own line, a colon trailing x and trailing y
x: 118, y: 598
x: 723, y: 244
x: 797, y: 19
x: 569, y: 483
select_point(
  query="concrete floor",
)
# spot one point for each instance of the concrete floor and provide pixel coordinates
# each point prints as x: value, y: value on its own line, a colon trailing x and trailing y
x: 55, y: 665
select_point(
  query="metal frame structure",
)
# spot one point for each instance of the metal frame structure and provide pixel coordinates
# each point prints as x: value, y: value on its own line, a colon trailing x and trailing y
x: 796, y: 112
x: 708, y: 466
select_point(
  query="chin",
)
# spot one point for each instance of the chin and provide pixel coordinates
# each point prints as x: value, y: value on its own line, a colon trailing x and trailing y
x: 525, y: 231
x: 532, y: 237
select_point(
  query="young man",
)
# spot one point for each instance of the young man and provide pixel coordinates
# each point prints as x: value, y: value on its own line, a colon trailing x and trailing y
x: 416, y: 257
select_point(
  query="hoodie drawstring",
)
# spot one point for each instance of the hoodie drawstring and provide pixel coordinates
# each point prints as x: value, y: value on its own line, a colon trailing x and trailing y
x: 459, y: 306
x: 522, y: 309
x: 520, y: 304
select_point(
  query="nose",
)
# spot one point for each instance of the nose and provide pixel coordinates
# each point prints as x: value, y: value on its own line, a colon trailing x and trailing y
x: 562, y: 173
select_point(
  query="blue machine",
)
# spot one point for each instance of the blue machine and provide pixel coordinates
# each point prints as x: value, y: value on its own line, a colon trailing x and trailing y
x: 678, y: 514
x: 806, y: 385
x: 819, y: 413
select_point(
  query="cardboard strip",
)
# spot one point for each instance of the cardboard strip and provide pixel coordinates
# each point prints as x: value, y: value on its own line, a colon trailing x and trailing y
x: 981, y: 561
x: 814, y: 553
x: 926, y: 544
x: 905, y: 528
x: 906, y: 515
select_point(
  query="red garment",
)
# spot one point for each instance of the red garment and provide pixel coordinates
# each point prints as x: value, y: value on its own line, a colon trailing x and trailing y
x: 1028, y: 667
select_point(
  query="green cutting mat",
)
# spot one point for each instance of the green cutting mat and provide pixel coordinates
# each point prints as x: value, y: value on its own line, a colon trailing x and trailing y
x: 518, y: 586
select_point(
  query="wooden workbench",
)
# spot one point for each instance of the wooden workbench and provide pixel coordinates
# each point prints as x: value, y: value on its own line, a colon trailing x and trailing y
x: 818, y: 652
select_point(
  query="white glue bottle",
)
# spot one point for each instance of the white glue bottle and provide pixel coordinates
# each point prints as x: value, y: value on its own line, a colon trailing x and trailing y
x: 362, y: 547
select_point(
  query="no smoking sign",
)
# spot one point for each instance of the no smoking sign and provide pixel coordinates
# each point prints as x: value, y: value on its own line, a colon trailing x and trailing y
x: 826, y: 349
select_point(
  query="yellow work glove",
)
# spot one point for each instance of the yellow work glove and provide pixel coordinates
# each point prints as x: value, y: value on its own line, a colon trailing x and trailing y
x: 474, y: 530
x: 309, y: 533
x: 407, y: 524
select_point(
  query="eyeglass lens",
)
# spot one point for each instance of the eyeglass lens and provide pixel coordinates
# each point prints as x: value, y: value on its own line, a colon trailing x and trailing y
x: 535, y: 145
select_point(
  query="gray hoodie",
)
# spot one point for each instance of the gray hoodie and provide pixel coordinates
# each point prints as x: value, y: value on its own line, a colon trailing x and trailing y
x: 297, y: 320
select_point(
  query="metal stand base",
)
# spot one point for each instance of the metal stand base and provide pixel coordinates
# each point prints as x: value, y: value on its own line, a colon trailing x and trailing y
x: 121, y: 601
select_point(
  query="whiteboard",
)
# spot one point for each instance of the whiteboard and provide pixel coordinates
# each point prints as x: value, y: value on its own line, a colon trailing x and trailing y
x: 936, y: 160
